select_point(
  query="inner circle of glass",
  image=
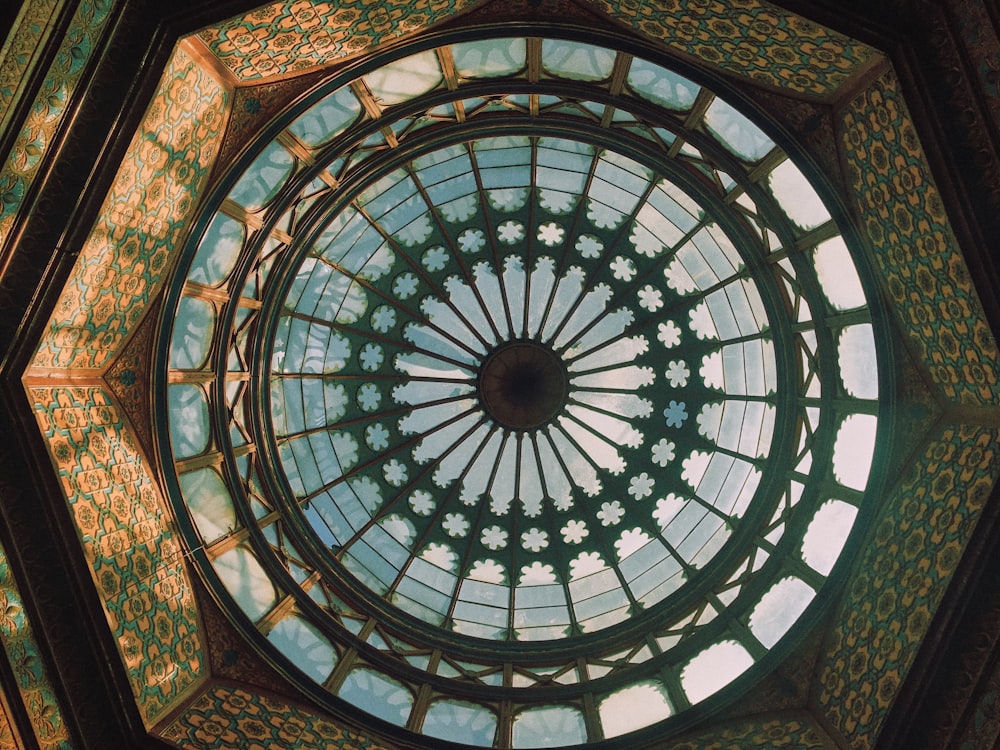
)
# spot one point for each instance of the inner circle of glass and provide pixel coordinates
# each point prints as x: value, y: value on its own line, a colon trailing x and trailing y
x: 520, y: 392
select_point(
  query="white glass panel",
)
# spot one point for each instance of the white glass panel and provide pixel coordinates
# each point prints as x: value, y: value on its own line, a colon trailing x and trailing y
x: 458, y: 721
x: 779, y: 608
x: 187, y: 406
x: 305, y: 646
x: 327, y: 118
x: 661, y: 86
x: 218, y: 251
x: 377, y: 694
x: 247, y: 582
x: 796, y: 196
x: 191, y: 339
x: 837, y: 275
x: 580, y: 62
x: 713, y: 669
x: 634, y: 707
x: 734, y: 131
x: 263, y: 177
x: 827, y: 534
x: 858, y: 364
x: 489, y: 57
x: 405, y: 79
x: 852, y: 452
x: 209, y: 503
x: 552, y: 726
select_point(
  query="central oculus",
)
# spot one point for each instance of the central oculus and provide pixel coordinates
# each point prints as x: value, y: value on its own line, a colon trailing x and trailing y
x: 522, y: 385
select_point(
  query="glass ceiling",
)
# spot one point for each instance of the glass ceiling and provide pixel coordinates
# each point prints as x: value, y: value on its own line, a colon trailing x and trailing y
x: 517, y: 381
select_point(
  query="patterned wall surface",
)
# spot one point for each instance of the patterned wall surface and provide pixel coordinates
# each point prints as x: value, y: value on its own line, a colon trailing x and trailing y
x: 137, y: 562
x: 901, y: 577
x: 914, y: 246
x: 786, y: 733
x: 228, y: 716
x: 22, y: 50
x: 33, y: 682
x: 294, y: 36
x: 142, y: 220
x: 750, y: 38
x: 46, y: 116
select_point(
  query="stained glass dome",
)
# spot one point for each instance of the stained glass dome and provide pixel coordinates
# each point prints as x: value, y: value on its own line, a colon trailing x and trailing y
x: 515, y: 381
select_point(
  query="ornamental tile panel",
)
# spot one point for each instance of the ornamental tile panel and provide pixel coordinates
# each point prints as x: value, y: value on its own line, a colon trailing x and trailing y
x: 288, y: 37
x: 33, y: 682
x: 750, y: 38
x: 142, y: 221
x: 914, y: 246
x: 49, y: 109
x: 227, y: 716
x: 796, y: 733
x: 126, y: 534
x: 22, y: 49
x: 901, y: 578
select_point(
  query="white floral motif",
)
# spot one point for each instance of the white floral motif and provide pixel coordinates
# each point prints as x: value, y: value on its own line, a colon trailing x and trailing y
x: 574, y: 532
x: 455, y: 524
x: 650, y: 298
x: 677, y: 373
x: 551, y: 234
x: 623, y: 268
x: 611, y: 513
x: 422, y: 503
x: 534, y: 540
x: 510, y: 232
x: 405, y: 285
x: 589, y: 246
x: 641, y: 486
x: 371, y: 357
x: 669, y: 334
x: 494, y: 538
x: 369, y: 397
x: 395, y: 472
x: 471, y: 240
x: 663, y: 452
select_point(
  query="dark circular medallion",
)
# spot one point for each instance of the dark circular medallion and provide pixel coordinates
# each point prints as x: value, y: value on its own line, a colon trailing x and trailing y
x: 522, y: 385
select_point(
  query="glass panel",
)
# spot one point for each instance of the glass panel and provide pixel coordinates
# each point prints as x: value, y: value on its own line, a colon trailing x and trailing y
x: 489, y: 57
x: 734, y: 131
x: 796, y: 196
x: 837, y: 275
x: 827, y: 535
x: 208, y: 500
x: 552, y: 726
x: 263, y: 178
x: 713, y: 669
x: 377, y: 694
x: 580, y: 62
x: 328, y: 118
x: 462, y: 722
x: 852, y: 452
x: 218, y: 251
x: 634, y: 707
x: 191, y: 339
x: 858, y: 362
x: 661, y: 86
x: 187, y: 406
x: 779, y: 608
x: 405, y: 79
x: 304, y: 646
x: 246, y: 581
